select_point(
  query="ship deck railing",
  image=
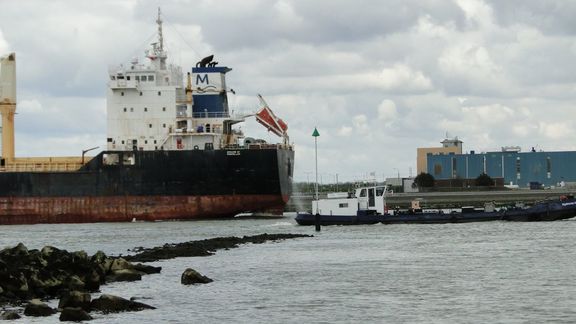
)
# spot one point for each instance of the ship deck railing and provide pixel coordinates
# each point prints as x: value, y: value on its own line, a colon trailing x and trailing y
x: 44, y: 164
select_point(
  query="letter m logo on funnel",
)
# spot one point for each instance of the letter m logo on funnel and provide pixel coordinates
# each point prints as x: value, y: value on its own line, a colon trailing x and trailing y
x: 202, y: 79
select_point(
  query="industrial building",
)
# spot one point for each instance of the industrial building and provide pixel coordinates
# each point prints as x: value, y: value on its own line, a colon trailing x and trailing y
x: 510, y: 164
x: 449, y: 145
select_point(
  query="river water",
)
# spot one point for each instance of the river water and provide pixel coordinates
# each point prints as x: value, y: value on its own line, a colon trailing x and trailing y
x: 494, y: 272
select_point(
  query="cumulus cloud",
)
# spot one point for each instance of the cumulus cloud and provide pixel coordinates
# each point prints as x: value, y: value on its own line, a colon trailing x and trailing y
x: 387, y: 110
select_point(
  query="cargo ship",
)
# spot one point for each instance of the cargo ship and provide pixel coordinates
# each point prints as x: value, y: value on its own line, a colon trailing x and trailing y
x: 174, y: 152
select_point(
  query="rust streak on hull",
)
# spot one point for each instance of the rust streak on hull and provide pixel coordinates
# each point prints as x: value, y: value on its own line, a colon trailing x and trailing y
x: 34, y: 210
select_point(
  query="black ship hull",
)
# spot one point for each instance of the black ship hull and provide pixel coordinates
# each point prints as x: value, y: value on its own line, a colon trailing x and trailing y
x: 152, y: 185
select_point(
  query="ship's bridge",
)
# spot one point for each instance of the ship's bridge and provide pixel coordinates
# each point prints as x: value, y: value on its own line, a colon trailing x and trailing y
x: 139, y: 75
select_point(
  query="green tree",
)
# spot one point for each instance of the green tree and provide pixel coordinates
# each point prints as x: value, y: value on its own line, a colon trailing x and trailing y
x: 424, y: 180
x: 484, y: 180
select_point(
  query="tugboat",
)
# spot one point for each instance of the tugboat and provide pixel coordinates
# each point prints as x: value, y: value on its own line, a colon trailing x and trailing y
x: 173, y: 152
x: 367, y: 205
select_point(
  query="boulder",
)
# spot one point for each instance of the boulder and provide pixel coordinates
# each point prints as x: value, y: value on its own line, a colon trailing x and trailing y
x: 120, y: 264
x: 9, y: 315
x: 191, y: 277
x: 146, y: 268
x: 124, y: 275
x: 74, y: 299
x: 37, y: 308
x: 74, y: 314
x: 19, y: 250
x: 92, y: 280
x: 114, y: 304
x: 74, y: 282
x: 14, y: 283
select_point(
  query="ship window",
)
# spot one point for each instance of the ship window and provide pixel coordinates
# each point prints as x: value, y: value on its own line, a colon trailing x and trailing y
x: 149, y: 125
x: 343, y: 205
x: 122, y: 142
x: 164, y: 125
x: 379, y: 191
x: 128, y: 159
x: 163, y: 108
x: 131, y: 109
x: 137, y: 78
x: 150, y: 78
x: 145, y: 142
x: 145, y: 109
x: 159, y: 93
x: 110, y: 159
x: 109, y: 139
x: 122, y: 93
x: 363, y: 193
x: 124, y: 109
x: 112, y: 77
x: 128, y: 78
x: 140, y: 92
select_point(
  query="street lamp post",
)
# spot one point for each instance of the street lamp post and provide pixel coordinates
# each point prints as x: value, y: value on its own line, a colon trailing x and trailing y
x: 315, y: 134
x: 317, y: 216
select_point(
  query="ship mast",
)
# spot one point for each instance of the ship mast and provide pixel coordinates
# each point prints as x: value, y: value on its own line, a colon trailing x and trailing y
x: 160, y: 38
x: 157, y: 55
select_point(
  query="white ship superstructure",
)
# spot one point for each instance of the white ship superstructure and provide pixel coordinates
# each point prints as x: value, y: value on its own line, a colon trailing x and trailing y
x: 149, y: 108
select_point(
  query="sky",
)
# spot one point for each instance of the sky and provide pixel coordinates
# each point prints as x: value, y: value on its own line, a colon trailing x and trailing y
x: 377, y: 78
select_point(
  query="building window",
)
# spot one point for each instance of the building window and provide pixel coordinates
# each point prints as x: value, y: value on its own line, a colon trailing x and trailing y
x: 454, y: 170
x: 437, y: 169
x: 518, y: 168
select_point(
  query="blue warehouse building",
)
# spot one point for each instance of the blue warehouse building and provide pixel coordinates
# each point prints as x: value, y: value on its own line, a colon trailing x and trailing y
x: 514, y: 167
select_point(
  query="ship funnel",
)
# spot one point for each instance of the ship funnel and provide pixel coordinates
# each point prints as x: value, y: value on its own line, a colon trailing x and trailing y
x: 8, y: 104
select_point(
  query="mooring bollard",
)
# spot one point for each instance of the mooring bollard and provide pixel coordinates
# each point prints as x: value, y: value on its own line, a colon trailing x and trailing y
x: 317, y: 222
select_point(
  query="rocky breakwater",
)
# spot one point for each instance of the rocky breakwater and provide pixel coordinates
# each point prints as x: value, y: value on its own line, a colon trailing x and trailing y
x: 202, y: 247
x: 27, y: 276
